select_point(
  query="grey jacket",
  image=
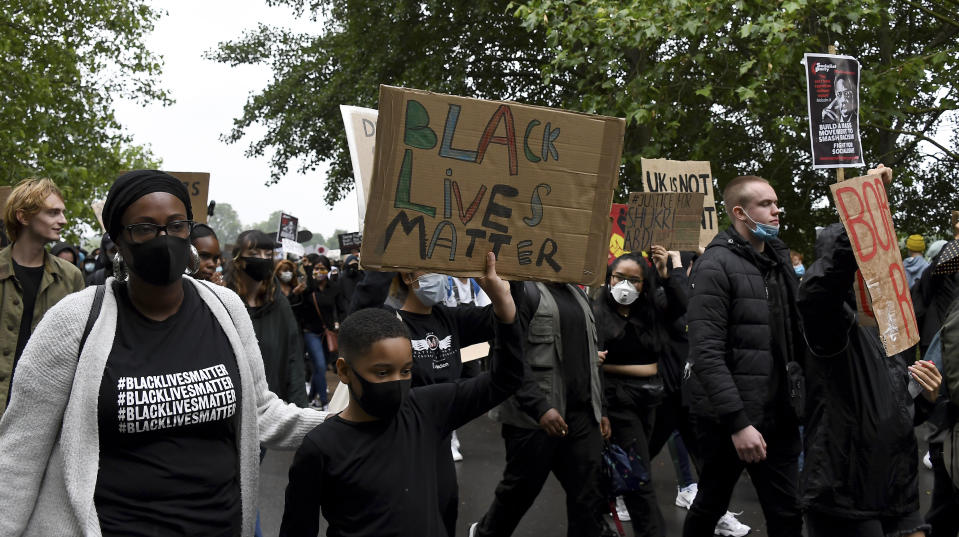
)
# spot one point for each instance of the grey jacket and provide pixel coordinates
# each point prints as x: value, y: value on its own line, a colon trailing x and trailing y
x: 543, y: 383
x: 49, y: 442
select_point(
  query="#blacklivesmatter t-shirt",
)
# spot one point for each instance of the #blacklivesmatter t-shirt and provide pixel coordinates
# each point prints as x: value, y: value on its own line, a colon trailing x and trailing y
x: 168, y: 421
x: 437, y: 338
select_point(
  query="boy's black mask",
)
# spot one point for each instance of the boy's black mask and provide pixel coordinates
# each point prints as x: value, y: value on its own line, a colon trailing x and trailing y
x: 381, y: 399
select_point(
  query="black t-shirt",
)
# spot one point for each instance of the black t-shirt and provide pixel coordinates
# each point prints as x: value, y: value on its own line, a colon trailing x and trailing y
x: 627, y: 350
x: 380, y: 478
x: 576, y: 359
x: 29, y: 278
x: 437, y: 338
x: 168, y: 418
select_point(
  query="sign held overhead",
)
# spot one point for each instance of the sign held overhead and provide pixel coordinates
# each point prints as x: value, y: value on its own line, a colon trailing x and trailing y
x: 456, y: 177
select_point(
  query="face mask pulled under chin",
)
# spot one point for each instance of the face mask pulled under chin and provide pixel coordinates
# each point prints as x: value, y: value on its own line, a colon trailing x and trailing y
x: 380, y: 399
x: 763, y: 232
x: 160, y: 260
x: 624, y: 293
x: 432, y: 289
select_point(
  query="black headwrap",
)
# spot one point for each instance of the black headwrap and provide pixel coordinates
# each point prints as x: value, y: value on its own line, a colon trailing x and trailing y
x: 132, y: 186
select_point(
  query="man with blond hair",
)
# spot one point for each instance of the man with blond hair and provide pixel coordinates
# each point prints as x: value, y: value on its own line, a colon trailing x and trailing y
x: 31, y: 279
x: 744, y: 335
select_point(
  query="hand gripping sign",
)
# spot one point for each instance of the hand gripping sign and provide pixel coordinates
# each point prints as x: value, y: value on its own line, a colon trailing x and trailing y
x: 864, y: 210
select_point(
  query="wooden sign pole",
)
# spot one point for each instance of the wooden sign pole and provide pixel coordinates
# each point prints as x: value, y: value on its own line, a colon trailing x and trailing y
x: 840, y: 172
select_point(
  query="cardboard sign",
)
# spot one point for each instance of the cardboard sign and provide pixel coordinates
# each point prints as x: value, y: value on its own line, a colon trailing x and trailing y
x: 349, y: 241
x: 662, y: 175
x: 668, y: 219
x: 617, y: 236
x: 198, y: 185
x: 360, y: 126
x: 833, y: 102
x: 288, y: 227
x: 97, y: 207
x: 864, y: 211
x: 456, y: 177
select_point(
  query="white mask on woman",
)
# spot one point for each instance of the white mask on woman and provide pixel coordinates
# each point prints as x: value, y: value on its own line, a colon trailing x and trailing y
x: 286, y: 276
x: 624, y: 293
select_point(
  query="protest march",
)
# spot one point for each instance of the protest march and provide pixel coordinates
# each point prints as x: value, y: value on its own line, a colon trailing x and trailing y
x: 548, y: 311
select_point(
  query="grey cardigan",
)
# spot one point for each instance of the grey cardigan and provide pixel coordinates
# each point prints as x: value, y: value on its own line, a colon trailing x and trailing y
x: 49, y: 442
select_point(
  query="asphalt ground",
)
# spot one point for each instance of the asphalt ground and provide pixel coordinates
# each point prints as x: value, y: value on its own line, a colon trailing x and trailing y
x: 482, y: 467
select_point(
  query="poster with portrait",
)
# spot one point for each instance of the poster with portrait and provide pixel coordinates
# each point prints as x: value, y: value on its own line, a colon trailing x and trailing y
x: 288, y: 227
x: 832, y: 86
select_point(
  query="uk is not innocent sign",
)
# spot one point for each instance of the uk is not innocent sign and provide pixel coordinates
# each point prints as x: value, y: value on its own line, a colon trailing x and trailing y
x: 456, y: 177
x: 663, y: 175
x: 864, y: 211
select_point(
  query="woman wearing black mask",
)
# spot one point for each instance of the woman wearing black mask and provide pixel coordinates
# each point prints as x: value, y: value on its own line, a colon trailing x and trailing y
x: 633, y: 315
x: 149, y: 423
x: 251, y: 275
x: 320, y: 312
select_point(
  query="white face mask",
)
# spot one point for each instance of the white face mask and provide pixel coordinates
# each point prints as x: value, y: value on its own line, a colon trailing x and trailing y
x: 286, y: 276
x: 624, y: 293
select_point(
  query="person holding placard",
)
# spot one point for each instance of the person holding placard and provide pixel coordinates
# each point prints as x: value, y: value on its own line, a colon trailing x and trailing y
x: 632, y: 324
x: 860, y: 476
x: 437, y: 334
x: 745, y: 345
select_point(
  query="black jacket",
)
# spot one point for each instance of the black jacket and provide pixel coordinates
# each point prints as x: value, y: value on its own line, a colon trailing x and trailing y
x: 859, y: 441
x: 731, y: 337
x: 281, y: 345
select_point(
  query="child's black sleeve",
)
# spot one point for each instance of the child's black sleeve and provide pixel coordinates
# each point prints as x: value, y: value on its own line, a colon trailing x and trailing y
x: 454, y: 404
x: 301, y: 515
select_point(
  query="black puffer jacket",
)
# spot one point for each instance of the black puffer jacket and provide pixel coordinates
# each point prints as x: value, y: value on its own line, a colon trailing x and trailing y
x: 860, y: 446
x: 730, y: 340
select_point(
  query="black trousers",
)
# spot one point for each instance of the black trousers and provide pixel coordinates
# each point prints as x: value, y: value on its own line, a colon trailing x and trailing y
x: 943, y: 514
x: 531, y: 455
x: 631, y: 420
x: 776, y: 480
x: 671, y: 416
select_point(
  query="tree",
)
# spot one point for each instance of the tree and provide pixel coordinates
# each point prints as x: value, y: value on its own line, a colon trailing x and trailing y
x: 721, y: 81
x: 695, y: 79
x: 333, y: 243
x: 62, y: 65
x: 226, y: 223
x: 463, y: 47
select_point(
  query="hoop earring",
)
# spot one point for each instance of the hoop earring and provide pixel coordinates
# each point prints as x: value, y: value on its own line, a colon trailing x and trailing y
x: 120, y: 271
x: 193, y: 266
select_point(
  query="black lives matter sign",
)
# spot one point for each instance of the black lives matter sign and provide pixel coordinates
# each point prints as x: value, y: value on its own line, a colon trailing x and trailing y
x: 832, y: 84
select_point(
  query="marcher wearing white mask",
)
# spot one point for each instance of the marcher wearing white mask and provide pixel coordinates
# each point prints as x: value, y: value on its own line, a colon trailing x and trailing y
x: 437, y: 333
x: 632, y: 319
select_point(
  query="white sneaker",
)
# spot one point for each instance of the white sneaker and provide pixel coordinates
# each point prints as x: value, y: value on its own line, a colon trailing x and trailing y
x: 621, y: 512
x: 686, y: 495
x: 473, y: 529
x: 927, y: 462
x: 728, y: 526
x: 457, y: 456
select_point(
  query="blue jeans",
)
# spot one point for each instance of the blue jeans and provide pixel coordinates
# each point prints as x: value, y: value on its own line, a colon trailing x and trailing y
x: 314, y: 347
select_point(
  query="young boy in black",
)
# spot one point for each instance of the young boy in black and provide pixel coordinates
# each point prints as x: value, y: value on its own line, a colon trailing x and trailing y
x: 372, y: 468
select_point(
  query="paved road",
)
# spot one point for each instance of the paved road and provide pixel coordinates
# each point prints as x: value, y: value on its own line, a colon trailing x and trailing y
x: 482, y: 468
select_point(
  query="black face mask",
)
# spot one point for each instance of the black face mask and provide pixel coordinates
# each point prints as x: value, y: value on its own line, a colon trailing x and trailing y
x: 351, y: 269
x: 161, y: 260
x: 381, y: 399
x: 257, y: 268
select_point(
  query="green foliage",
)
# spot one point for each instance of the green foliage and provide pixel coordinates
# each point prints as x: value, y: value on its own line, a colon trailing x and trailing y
x: 721, y: 81
x: 464, y: 47
x: 696, y: 79
x: 226, y: 223
x: 62, y: 65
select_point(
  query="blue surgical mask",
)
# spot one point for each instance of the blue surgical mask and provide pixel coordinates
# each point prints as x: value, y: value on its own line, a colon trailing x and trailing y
x: 432, y: 289
x: 89, y: 267
x: 800, y: 270
x: 763, y: 232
